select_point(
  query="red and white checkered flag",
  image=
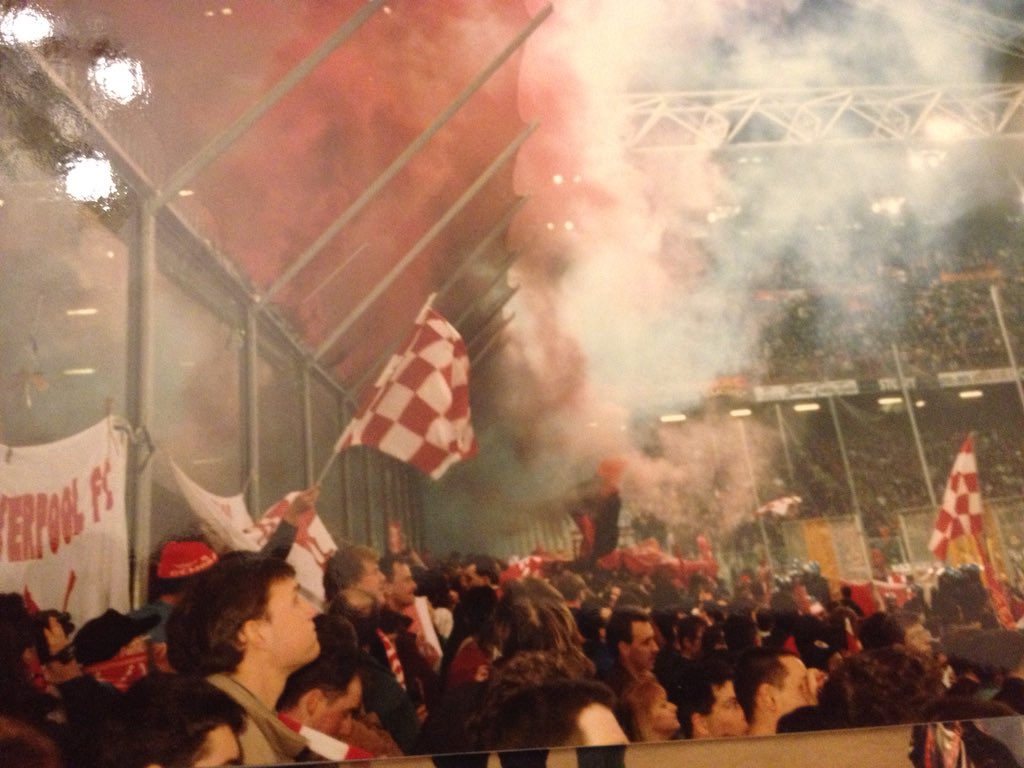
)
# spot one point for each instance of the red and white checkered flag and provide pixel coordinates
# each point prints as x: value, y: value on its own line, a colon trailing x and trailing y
x: 419, y: 411
x: 960, y: 514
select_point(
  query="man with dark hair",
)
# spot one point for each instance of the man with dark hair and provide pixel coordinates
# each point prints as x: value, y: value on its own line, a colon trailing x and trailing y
x: 770, y: 683
x: 320, y: 699
x: 243, y: 624
x: 401, y: 623
x: 710, y: 709
x: 169, y: 720
x: 479, y: 571
x: 631, y: 638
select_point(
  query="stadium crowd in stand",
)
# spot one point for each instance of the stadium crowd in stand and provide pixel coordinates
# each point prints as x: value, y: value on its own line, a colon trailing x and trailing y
x: 243, y: 670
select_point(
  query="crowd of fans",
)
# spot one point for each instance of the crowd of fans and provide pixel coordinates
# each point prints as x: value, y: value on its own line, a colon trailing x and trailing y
x: 948, y: 323
x: 458, y: 658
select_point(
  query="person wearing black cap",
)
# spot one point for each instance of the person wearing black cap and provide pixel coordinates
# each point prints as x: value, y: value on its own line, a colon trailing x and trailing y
x: 111, y: 634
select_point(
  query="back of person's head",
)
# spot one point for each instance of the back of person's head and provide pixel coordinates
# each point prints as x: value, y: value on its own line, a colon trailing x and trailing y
x: 755, y: 667
x: 739, y: 632
x: 665, y: 622
x: 203, y: 631
x: 433, y: 585
x: 570, y: 585
x: 532, y: 616
x: 846, y: 592
x: 880, y: 630
x: 345, y: 567
x: 620, y: 625
x: 360, y: 609
x: 549, y: 715
x: 164, y: 720
x: 883, y: 686
x: 475, y: 611
x: 388, y: 562
x: 691, y: 628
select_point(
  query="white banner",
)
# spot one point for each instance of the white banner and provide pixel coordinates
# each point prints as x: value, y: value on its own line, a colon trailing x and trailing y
x: 227, y: 522
x: 63, y: 532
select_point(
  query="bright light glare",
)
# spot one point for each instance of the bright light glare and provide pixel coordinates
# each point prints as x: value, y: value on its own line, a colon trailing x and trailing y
x: 557, y: 178
x: 83, y: 312
x: 26, y: 26
x: 927, y: 158
x: 971, y: 394
x: 945, y: 129
x: 806, y: 407
x: 673, y: 418
x: 89, y: 178
x: 739, y: 412
x: 79, y: 371
x: 890, y: 400
x: 890, y: 206
x: 119, y: 79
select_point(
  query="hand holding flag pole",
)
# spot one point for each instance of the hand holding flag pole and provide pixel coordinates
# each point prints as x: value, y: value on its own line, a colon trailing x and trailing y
x: 419, y: 409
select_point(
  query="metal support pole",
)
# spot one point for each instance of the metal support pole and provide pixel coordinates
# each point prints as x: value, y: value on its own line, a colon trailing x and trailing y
x: 307, y: 425
x: 478, y: 251
x: 498, y: 277
x: 858, y: 516
x: 477, y: 357
x: 141, y: 389
x: 483, y: 246
x: 493, y: 314
x: 753, y: 492
x: 925, y: 472
x: 440, y: 224
x: 997, y: 303
x: 252, y: 410
x: 785, y: 442
x: 854, y: 499
x: 218, y: 145
x: 403, y: 159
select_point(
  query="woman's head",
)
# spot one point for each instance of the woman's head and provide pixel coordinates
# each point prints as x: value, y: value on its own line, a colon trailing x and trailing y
x: 645, y: 712
x: 533, y: 616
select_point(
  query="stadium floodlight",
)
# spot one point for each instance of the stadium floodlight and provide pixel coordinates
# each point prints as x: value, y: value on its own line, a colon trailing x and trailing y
x: 741, y: 412
x: 806, y: 407
x: 25, y: 26
x: 118, y: 78
x: 672, y: 418
x: 971, y: 394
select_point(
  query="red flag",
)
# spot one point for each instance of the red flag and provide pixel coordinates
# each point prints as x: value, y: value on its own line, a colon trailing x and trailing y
x: 960, y: 514
x: 419, y: 411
